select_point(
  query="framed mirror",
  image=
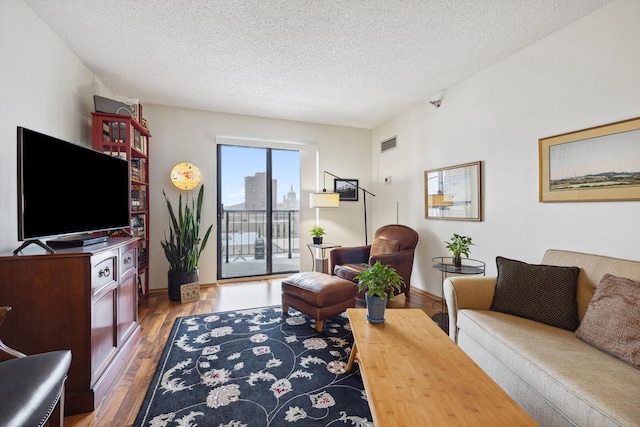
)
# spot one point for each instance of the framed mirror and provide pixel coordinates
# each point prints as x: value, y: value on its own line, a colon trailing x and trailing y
x: 454, y: 192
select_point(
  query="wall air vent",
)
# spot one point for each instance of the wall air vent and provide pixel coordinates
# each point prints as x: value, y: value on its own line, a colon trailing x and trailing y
x: 388, y: 144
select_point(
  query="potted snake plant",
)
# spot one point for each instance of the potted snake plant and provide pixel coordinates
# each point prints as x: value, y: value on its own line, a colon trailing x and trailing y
x: 380, y: 282
x: 184, y: 246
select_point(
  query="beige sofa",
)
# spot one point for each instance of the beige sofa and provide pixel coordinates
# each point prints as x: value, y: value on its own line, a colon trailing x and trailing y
x: 556, y: 377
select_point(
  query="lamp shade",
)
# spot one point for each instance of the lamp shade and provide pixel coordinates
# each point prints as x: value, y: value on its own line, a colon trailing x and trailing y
x: 324, y: 200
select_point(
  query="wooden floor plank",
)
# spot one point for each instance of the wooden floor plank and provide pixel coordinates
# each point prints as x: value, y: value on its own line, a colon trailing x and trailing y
x: 157, y: 315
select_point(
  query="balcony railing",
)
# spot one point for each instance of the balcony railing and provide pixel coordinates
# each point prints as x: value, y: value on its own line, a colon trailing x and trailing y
x: 243, y: 234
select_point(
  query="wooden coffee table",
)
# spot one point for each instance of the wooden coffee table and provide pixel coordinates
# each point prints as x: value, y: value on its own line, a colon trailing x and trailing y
x: 415, y: 375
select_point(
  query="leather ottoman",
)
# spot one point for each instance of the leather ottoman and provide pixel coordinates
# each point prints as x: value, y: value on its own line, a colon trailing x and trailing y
x: 317, y: 295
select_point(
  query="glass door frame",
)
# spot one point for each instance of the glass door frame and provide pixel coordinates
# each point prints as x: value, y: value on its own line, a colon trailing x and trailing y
x: 268, y: 216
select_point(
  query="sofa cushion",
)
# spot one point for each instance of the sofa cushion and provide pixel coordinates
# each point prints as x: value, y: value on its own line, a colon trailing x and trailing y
x: 382, y: 246
x: 592, y: 268
x: 612, y: 320
x: 544, y: 293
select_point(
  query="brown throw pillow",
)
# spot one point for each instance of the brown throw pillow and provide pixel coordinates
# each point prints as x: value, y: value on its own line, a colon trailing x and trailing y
x: 544, y: 293
x: 612, y: 320
x: 382, y: 246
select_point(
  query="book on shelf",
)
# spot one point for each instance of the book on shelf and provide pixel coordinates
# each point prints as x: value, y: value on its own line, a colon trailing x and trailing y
x: 135, y: 198
x: 137, y: 141
x: 138, y: 197
x: 137, y: 220
x: 132, y: 133
x: 145, y: 145
x: 142, y: 258
x: 140, y: 142
x: 143, y: 170
x: 138, y: 228
x: 136, y: 172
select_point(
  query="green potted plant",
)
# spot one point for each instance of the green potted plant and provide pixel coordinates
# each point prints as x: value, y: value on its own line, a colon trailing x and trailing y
x: 184, y: 246
x: 458, y: 246
x: 380, y: 282
x: 317, y: 232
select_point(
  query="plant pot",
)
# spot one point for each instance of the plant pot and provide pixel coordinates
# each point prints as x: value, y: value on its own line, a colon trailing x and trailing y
x: 457, y: 261
x: 177, y: 278
x: 375, y: 308
x: 317, y: 240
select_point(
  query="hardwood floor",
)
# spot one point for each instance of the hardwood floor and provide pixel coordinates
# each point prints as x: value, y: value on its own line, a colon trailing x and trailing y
x: 157, y: 315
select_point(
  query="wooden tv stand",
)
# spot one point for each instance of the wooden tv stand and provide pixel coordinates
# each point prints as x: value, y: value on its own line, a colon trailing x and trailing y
x: 83, y: 299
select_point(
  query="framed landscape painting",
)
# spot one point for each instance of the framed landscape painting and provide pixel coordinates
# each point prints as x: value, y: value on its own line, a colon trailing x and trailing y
x: 595, y: 164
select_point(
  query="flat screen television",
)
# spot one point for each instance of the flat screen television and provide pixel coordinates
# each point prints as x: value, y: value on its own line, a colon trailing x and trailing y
x: 66, y: 189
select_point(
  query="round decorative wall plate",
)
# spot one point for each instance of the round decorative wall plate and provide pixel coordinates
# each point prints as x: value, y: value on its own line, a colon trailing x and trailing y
x: 186, y: 176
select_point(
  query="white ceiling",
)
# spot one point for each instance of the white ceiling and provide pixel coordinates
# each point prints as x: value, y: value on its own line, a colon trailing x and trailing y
x: 345, y: 62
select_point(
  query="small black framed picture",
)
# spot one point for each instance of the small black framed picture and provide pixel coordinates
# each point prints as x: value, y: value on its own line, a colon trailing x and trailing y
x: 347, y: 188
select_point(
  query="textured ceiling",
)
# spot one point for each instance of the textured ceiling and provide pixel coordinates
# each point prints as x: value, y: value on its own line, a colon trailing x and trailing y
x: 345, y: 62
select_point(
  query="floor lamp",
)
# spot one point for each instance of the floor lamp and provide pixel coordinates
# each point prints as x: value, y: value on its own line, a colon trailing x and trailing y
x: 331, y: 200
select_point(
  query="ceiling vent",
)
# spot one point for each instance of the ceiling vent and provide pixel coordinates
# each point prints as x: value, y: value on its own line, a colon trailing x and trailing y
x: 388, y: 144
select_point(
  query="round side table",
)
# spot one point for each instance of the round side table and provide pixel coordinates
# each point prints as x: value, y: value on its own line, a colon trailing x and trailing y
x: 446, y: 267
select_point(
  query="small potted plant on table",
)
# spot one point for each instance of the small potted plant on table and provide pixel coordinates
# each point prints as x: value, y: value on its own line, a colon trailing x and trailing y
x: 317, y: 232
x: 380, y: 281
x: 458, y: 246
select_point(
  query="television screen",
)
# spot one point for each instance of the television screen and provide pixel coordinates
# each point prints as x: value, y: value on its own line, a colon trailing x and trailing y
x: 64, y: 188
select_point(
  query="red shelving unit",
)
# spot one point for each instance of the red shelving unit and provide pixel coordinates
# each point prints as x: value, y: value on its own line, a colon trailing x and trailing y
x: 125, y: 137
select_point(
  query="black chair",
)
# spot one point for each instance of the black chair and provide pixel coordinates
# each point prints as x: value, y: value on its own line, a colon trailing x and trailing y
x: 31, y: 387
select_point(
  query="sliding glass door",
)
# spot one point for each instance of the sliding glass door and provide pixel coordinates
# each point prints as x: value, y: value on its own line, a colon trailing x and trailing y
x: 258, y: 211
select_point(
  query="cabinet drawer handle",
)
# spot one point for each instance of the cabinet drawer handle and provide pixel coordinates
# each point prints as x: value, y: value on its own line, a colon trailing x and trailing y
x: 128, y: 260
x: 104, y: 273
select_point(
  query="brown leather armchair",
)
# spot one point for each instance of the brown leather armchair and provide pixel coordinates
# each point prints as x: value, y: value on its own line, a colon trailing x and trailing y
x: 393, y: 245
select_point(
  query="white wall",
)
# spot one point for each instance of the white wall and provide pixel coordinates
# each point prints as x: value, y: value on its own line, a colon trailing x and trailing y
x: 43, y: 87
x: 190, y: 135
x: 584, y: 75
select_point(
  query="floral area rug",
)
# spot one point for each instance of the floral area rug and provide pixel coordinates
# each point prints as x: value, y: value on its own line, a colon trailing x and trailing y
x: 256, y: 367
